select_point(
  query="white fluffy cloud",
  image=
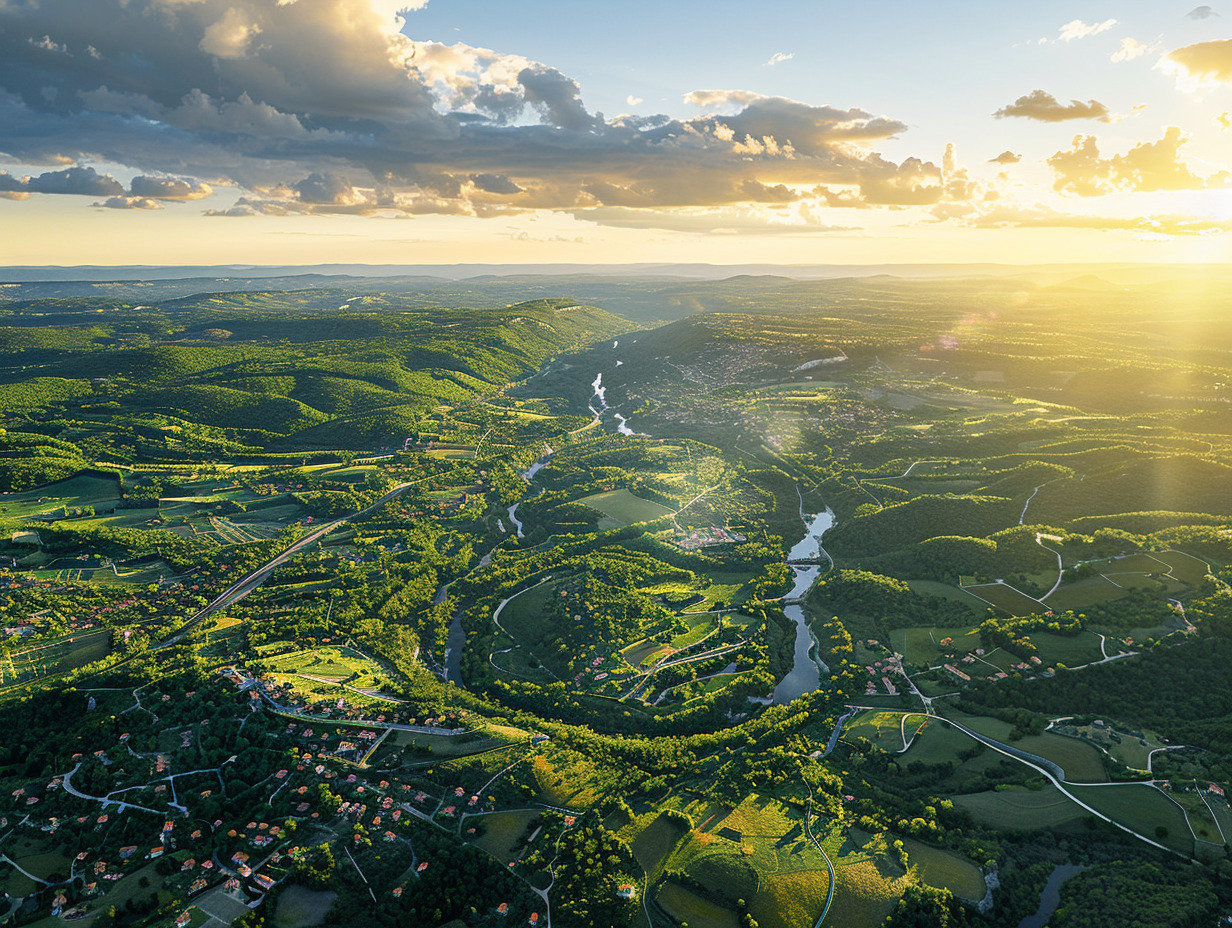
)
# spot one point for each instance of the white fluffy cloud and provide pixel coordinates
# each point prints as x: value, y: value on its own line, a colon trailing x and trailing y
x: 1131, y: 48
x: 1077, y: 29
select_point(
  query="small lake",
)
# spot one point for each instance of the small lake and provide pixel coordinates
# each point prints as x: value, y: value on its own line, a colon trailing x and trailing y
x: 805, y: 674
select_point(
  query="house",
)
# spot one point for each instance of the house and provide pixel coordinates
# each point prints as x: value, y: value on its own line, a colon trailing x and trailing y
x: 184, y: 919
x: 626, y: 891
x: 503, y: 909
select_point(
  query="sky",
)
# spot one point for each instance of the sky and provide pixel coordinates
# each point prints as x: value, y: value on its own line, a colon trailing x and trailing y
x: 466, y: 131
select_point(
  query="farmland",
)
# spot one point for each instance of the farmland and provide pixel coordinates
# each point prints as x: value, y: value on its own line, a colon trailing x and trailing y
x: 543, y: 656
x: 623, y: 508
x: 1021, y: 808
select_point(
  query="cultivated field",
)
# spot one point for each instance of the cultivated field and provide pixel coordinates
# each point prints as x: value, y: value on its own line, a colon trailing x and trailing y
x: 625, y: 508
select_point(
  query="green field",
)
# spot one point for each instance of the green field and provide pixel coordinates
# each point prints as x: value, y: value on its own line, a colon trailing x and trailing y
x: 1185, y: 567
x: 1142, y: 808
x: 727, y: 878
x: 1086, y: 592
x: 332, y: 662
x: 699, y: 628
x: 57, y: 656
x: 1129, y: 750
x: 656, y: 841
x: 625, y: 508
x: 1071, y: 650
x: 947, y: 591
x: 502, y: 831
x: 921, y: 645
x: 938, y: 744
x: 945, y: 870
x: 1138, y: 563
x: 1081, y: 760
x: 82, y: 490
x: 1005, y: 598
x: 1201, y: 819
x: 792, y: 899
x: 686, y: 907
x: 884, y: 729
x: 1022, y: 809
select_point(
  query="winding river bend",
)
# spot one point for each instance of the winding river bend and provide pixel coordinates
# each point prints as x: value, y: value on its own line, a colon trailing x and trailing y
x: 528, y: 476
x: 805, y: 674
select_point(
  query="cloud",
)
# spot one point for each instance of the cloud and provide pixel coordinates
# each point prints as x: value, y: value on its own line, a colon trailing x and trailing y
x: 1005, y: 215
x: 1201, y: 12
x: 230, y: 36
x: 1131, y: 49
x: 1204, y: 63
x: 884, y: 183
x: 83, y: 181
x: 1148, y: 166
x: 129, y: 203
x: 1077, y: 29
x: 634, y: 101
x: 1224, y: 120
x: 1006, y: 157
x: 169, y: 188
x: 779, y: 58
x: 328, y: 189
x: 325, y: 106
x: 707, y: 99
x: 1044, y: 107
x: 557, y: 98
x: 743, y: 220
x: 495, y: 183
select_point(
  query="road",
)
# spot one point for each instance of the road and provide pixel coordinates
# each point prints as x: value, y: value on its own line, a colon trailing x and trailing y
x: 74, y: 791
x: 1060, y: 564
x: 250, y: 581
x: 1060, y: 783
x: 504, y: 631
x: 1023, y: 517
x: 808, y: 828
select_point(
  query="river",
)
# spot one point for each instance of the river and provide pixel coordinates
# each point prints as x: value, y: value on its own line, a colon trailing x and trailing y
x: 528, y: 476
x: 805, y: 673
x: 1050, y: 897
x: 600, y: 394
x: 457, y: 635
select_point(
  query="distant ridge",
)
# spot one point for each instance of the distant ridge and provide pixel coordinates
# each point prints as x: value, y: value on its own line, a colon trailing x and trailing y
x: 1140, y: 273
